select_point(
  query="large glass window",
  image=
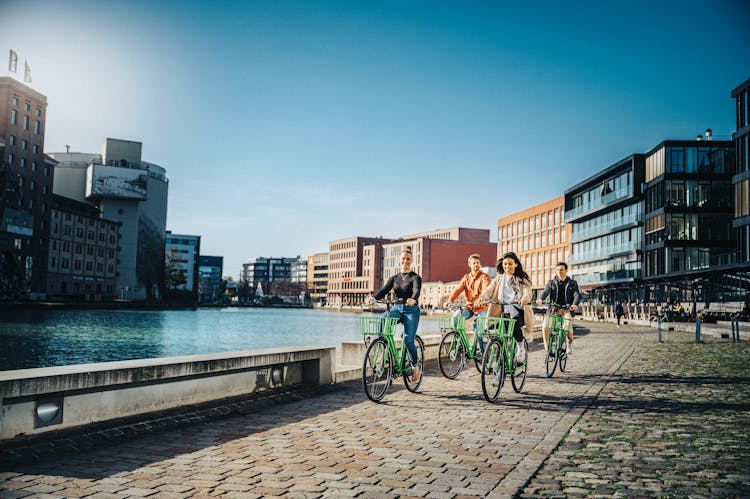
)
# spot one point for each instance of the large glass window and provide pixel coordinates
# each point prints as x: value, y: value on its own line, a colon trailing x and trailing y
x: 676, y: 160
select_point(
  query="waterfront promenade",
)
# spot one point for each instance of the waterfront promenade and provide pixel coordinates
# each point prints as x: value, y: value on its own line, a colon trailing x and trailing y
x: 631, y: 417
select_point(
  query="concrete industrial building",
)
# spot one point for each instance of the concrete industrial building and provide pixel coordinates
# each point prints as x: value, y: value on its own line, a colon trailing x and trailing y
x: 129, y: 191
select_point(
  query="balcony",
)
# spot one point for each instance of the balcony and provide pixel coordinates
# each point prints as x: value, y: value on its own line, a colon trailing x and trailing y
x: 16, y: 223
x: 598, y: 202
x: 604, y: 253
x: 580, y: 235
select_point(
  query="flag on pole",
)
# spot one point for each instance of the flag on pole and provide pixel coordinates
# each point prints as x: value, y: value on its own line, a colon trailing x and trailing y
x: 27, y: 72
x: 12, y: 62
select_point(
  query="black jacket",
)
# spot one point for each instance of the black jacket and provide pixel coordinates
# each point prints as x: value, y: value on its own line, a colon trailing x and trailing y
x: 555, y: 286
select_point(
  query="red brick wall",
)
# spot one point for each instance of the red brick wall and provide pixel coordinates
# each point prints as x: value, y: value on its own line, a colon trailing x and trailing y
x: 448, y: 259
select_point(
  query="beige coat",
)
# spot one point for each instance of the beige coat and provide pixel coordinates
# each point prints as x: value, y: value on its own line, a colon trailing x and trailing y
x: 522, y: 288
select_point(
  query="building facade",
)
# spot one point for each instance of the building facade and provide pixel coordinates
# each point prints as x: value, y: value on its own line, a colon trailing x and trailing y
x: 606, y: 216
x: 539, y: 236
x: 22, y: 126
x: 210, y: 269
x: 130, y: 191
x: 298, y: 270
x: 258, y: 273
x: 353, y: 267
x: 688, y: 219
x: 82, y: 257
x: 437, y: 258
x: 182, y: 262
x: 741, y: 172
x: 317, y: 277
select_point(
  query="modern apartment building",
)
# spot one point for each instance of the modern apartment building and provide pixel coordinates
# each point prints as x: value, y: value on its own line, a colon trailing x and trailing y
x: 539, y: 236
x: 688, y: 218
x: 298, y: 270
x: 130, y: 191
x: 210, y: 269
x: 438, y: 255
x: 317, y: 277
x: 182, y: 262
x: 259, y: 272
x: 741, y: 173
x: 606, y: 216
x: 354, y: 266
x: 25, y: 239
x: 82, y: 259
x: 359, y: 266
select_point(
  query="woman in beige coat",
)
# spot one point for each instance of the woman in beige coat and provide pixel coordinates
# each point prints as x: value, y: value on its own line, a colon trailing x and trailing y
x: 511, y: 288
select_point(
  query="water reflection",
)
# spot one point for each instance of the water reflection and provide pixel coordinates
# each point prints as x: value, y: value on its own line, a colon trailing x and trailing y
x: 43, y: 338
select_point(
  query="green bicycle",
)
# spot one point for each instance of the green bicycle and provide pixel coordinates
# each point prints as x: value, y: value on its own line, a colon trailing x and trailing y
x: 384, y: 361
x: 455, y: 347
x: 556, y: 346
x: 499, y: 357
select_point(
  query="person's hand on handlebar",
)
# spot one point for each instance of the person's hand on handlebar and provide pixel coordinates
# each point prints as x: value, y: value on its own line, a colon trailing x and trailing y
x: 574, y: 307
x: 539, y: 302
x: 411, y: 302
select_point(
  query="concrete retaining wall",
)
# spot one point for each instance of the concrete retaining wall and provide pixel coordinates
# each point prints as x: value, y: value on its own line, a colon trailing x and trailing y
x: 35, y: 401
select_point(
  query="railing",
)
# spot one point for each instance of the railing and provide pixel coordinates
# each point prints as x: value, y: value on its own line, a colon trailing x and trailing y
x: 606, y: 252
x: 608, y: 276
x: 579, y: 234
x: 597, y: 202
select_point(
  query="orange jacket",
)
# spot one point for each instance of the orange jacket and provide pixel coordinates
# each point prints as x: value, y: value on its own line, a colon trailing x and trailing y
x: 472, y: 287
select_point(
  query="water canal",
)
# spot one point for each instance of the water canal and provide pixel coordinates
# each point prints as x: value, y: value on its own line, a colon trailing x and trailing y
x: 45, y: 338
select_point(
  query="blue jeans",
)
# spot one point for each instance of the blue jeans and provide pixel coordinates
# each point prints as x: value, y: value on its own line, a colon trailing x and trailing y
x: 468, y: 314
x: 409, y: 315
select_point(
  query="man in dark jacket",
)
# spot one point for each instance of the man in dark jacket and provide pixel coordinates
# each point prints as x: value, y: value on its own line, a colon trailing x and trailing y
x: 563, y: 292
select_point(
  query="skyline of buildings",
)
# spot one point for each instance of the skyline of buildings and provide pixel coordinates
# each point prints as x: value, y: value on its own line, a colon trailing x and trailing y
x: 680, y: 208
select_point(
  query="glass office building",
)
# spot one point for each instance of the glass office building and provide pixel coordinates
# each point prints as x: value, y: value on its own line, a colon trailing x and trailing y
x: 605, y: 213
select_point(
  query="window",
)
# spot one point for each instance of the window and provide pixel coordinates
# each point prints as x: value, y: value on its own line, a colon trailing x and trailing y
x: 24, y: 143
x: 12, y: 140
x: 25, y: 122
x: 35, y: 148
x: 10, y: 158
x: 27, y: 106
x: 37, y: 128
x: 33, y: 166
x: 38, y: 111
x: 15, y: 100
x: 14, y: 117
x: 22, y: 162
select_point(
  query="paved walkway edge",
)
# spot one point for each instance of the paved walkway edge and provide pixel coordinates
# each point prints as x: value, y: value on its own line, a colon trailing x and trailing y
x: 514, y: 482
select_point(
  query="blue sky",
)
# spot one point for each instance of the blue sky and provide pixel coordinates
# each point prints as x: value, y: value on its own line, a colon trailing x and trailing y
x: 285, y: 125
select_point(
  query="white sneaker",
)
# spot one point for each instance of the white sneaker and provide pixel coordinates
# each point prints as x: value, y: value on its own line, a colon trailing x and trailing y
x: 495, y: 380
x: 520, y: 353
x: 569, y: 347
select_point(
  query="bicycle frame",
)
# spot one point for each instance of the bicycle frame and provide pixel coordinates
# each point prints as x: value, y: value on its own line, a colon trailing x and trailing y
x: 446, y: 325
x: 384, y: 327
x: 501, y: 328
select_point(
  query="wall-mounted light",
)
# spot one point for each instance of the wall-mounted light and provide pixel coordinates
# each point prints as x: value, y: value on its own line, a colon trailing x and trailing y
x: 48, y: 412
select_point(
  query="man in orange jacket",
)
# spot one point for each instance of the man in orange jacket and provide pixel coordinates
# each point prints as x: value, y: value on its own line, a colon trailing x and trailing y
x: 472, y: 285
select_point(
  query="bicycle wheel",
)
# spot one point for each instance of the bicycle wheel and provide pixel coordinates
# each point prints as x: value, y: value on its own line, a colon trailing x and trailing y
x: 377, y: 370
x: 550, y: 359
x: 411, y: 385
x: 518, y: 376
x: 563, y: 356
x: 493, y: 370
x: 478, y: 356
x: 451, y: 355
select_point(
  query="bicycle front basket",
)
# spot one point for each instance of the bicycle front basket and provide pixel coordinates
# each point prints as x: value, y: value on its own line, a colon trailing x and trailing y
x: 377, y: 326
x: 560, y: 322
x: 450, y: 323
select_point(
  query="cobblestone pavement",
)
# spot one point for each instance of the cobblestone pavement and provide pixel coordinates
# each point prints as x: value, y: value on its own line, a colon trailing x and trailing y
x: 661, y: 421
x: 673, y: 421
